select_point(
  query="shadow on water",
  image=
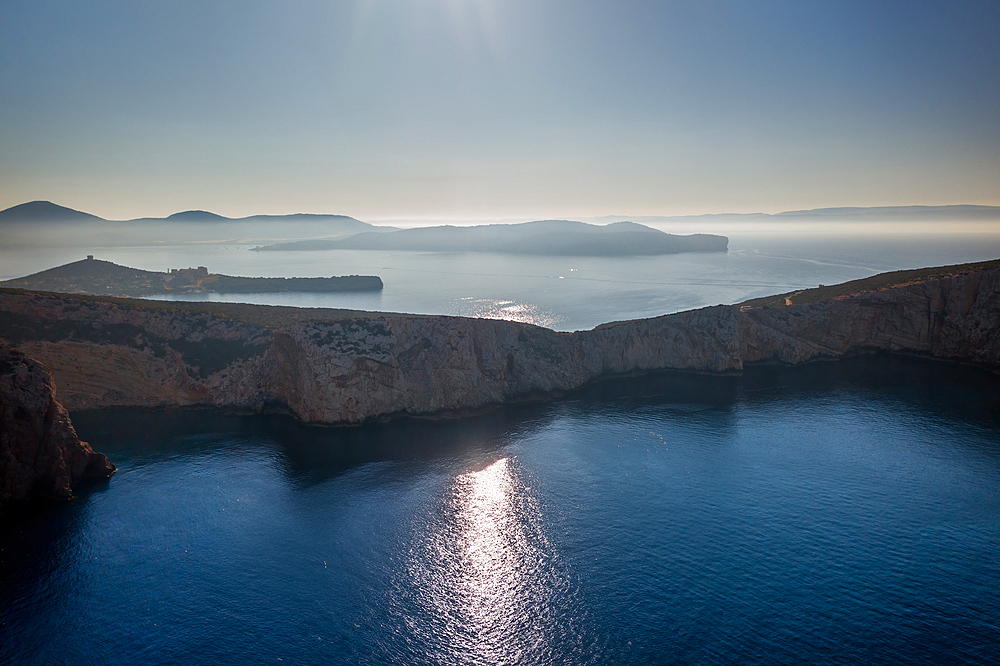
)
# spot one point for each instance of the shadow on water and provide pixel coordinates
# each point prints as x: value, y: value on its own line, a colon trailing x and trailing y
x: 311, y: 454
x: 947, y: 389
x: 38, y: 544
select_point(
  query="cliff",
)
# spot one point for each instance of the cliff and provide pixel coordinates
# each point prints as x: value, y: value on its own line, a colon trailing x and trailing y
x: 40, y: 454
x: 347, y: 367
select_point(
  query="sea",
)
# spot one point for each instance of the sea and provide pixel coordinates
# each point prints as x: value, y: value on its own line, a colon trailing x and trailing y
x: 835, y: 513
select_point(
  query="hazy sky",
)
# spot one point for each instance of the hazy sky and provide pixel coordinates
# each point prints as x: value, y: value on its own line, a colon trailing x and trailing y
x: 395, y: 108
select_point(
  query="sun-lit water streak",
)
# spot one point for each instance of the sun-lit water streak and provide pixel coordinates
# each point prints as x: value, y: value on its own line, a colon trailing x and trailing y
x: 487, y: 575
x: 507, y: 310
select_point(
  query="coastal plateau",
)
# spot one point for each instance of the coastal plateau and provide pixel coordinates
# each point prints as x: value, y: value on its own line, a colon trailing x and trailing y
x: 333, y: 366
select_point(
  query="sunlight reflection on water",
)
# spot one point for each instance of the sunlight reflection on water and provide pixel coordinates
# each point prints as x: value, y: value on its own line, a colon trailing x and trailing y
x: 487, y: 575
x: 507, y: 310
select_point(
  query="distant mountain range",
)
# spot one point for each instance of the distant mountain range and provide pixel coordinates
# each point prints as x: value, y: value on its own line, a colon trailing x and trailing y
x: 964, y: 211
x: 325, y: 232
x: 46, y: 211
x: 957, y: 213
x: 32, y: 224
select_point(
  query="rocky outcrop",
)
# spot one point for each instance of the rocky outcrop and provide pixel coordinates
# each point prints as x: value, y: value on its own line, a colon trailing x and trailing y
x: 955, y: 318
x: 336, y: 367
x: 40, y: 454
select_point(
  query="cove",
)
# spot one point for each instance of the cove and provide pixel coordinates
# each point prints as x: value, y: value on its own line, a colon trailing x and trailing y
x: 840, y: 512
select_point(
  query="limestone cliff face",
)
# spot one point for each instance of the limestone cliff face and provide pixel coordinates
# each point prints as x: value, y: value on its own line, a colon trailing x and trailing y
x: 353, y: 370
x: 40, y: 454
x: 346, y: 369
x: 105, y: 353
x: 954, y: 318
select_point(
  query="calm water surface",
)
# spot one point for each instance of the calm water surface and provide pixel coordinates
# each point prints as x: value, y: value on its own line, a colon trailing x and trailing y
x: 836, y: 513
x: 564, y: 293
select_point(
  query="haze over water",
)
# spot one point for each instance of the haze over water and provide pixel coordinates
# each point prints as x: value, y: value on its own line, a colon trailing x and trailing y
x: 564, y: 293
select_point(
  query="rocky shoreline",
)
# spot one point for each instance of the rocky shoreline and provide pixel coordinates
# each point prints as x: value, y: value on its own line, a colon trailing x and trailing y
x: 346, y: 367
x: 41, y: 457
x: 338, y: 367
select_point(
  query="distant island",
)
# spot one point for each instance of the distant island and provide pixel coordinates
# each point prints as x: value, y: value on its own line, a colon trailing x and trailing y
x: 544, y: 237
x: 104, y: 278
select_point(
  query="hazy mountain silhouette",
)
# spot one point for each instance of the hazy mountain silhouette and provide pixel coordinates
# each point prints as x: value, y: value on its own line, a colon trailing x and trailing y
x: 956, y: 213
x: 29, y: 225
x: 546, y: 237
x: 45, y: 211
x: 963, y: 211
x: 196, y: 216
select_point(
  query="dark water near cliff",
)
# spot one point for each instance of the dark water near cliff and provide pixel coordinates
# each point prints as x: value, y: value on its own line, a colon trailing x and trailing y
x: 836, y: 513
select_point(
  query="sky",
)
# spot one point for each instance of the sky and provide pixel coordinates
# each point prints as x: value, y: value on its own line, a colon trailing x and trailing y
x: 386, y: 109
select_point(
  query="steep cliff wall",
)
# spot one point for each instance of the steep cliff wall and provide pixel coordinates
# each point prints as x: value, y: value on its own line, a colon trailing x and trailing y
x: 951, y: 318
x: 40, y: 454
x: 333, y: 367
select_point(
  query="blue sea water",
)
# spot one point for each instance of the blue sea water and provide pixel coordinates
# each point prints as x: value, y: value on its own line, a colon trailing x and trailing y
x: 843, y: 513
x: 837, y: 513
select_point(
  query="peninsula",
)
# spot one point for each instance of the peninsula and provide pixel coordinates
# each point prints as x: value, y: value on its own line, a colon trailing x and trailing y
x: 104, y: 278
x: 337, y: 366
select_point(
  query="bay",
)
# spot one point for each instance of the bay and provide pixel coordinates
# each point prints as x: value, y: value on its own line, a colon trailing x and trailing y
x: 839, y: 513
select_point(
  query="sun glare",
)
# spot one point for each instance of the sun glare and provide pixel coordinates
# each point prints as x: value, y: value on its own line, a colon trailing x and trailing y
x: 487, y: 572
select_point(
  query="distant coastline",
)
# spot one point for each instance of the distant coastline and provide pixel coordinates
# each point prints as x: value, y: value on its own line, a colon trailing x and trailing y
x: 104, y: 278
x: 46, y: 224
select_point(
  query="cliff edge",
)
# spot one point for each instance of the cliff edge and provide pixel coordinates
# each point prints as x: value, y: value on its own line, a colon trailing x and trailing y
x: 334, y: 366
x: 40, y: 453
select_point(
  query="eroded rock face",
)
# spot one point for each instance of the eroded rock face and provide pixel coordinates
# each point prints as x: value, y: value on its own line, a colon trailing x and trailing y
x: 953, y: 318
x: 340, y: 369
x: 40, y: 454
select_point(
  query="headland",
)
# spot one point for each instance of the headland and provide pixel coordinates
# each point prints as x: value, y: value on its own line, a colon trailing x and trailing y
x: 348, y: 367
x: 104, y: 278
